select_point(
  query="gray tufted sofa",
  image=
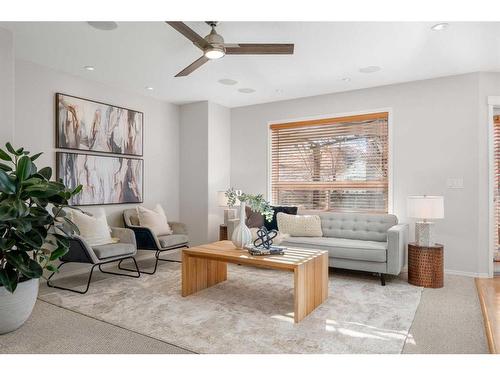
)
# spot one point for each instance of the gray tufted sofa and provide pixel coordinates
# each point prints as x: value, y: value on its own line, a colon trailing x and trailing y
x: 373, y: 243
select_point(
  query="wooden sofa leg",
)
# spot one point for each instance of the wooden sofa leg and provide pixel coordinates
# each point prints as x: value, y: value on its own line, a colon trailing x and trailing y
x: 382, y: 279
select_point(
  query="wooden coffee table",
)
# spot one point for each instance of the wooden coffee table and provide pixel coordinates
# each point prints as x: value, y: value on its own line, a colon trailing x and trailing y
x: 206, y: 265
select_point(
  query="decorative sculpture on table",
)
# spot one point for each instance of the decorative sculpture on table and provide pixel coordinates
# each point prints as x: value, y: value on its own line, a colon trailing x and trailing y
x: 265, y: 238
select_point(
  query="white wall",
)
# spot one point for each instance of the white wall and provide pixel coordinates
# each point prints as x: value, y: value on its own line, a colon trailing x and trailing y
x: 194, y: 170
x: 219, y: 166
x: 205, y: 168
x: 6, y: 86
x: 439, y: 132
x: 35, y: 88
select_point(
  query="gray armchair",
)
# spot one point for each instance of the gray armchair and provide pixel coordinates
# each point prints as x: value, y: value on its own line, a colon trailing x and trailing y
x: 147, y: 240
x: 81, y: 252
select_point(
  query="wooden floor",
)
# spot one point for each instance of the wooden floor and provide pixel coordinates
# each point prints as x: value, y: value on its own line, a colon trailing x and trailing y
x: 489, y: 297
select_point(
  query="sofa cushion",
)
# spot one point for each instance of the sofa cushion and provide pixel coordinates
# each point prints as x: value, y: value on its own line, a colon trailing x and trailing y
x: 113, y: 250
x: 357, y: 226
x: 372, y: 251
x: 172, y: 240
x: 299, y: 225
x: 273, y: 224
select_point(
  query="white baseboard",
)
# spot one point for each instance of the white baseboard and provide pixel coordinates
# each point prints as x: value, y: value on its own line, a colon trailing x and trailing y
x: 465, y: 273
x: 454, y: 272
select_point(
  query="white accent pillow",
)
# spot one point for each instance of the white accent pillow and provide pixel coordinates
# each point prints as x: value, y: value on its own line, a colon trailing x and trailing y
x: 155, y: 219
x: 299, y: 225
x: 94, y: 229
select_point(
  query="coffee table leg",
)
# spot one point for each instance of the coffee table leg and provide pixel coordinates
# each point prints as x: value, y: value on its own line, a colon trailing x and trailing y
x: 310, y: 286
x: 200, y: 273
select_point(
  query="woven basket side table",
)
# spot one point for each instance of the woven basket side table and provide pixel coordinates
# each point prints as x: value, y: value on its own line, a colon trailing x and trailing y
x: 425, y: 265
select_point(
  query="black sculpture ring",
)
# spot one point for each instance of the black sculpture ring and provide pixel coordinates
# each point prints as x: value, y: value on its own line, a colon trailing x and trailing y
x: 265, y: 238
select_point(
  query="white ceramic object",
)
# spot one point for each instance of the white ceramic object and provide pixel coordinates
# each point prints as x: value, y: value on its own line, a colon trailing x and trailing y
x: 241, y: 234
x: 16, y: 308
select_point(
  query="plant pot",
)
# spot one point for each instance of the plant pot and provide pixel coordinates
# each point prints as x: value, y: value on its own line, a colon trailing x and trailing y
x: 16, y: 308
x: 241, y: 234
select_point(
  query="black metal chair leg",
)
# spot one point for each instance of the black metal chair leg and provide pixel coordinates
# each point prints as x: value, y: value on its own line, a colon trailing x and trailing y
x: 69, y: 289
x: 124, y: 274
x: 157, y: 259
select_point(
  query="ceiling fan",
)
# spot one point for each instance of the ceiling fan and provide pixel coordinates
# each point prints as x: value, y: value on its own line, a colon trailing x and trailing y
x: 213, y: 46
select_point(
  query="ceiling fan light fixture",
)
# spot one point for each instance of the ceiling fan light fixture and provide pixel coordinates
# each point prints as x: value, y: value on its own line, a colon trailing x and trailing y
x: 214, y: 52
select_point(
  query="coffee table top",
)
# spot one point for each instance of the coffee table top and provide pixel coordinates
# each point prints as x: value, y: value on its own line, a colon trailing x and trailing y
x: 225, y: 251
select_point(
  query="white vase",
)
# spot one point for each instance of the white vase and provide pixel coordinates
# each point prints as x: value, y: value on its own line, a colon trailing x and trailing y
x: 16, y: 308
x: 241, y: 234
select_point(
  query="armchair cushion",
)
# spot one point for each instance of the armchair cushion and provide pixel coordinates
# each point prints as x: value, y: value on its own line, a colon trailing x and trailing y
x: 93, y: 229
x: 114, y: 250
x: 173, y: 240
x: 155, y: 219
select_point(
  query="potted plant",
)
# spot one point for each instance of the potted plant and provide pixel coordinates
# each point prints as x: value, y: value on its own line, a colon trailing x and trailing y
x: 241, y: 234
x: 31, y: 207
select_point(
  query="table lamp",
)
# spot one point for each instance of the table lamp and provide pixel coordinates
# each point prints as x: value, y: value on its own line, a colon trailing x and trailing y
x: 229, y: 213
x: 424, y: 207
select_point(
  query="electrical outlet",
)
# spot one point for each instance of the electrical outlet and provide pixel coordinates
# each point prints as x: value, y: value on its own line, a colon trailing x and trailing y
x: 455, y: 183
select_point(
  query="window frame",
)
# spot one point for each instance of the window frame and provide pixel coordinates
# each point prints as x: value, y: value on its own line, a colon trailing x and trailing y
x: 390, y: 148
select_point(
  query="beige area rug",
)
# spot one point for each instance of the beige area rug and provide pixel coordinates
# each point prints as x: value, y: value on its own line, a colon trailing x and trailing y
x: 252, y: 312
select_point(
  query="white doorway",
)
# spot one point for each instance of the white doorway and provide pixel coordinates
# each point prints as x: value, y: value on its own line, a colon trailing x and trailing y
x: 494, y: 183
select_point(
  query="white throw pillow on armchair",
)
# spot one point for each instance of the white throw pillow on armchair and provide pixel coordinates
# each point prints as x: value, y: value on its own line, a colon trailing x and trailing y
x: 93, y: 229
x: 155, y: 219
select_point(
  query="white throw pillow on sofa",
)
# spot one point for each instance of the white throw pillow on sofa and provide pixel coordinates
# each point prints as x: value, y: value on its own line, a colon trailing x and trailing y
x: 299, y: 225
x: 94, y: 229
x: 155, y: 219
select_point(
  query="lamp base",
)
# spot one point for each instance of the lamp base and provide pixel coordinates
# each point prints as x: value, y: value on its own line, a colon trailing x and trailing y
x: 229, y: 214
x: 424, y: 233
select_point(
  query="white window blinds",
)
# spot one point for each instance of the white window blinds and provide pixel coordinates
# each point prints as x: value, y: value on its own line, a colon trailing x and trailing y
x: 337, y: 164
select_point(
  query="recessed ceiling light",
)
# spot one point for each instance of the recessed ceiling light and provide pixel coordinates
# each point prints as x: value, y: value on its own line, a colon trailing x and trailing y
x: 246, y: 90
x: 103, y: 25
x: 227, y: 81
x: 370, y: 69
x: 440, y: 26
x: 149, y: 88
x: 90, y: 68
x: 346, y: 79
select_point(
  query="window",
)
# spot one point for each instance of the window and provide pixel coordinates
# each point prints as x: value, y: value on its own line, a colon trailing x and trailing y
x: 336, y: 164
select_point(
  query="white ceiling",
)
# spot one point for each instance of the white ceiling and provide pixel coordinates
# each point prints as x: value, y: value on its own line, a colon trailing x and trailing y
x: 140, y: 54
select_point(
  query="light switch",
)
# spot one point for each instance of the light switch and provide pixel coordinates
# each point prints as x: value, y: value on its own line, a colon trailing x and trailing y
x: 455, y: 183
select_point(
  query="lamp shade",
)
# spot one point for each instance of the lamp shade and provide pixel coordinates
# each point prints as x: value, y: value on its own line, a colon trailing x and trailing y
x: 222, y: 199
x: 426, y: 206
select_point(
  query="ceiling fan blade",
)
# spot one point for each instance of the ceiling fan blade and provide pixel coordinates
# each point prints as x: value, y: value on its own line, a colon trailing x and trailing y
x: 259, y: 49
x: 185, y: 30
x: 191, y: 68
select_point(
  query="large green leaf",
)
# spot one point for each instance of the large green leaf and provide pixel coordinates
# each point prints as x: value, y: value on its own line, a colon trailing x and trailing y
x: 46, y: 172
x: 10, y: 148
x: 7, y: 211
x: 24, y: 264
x: 36, y: 156
x: 4, y: 155
x: 8, y: 278
x: 21, y: 208
x: 6, y: 243
x: 24, y: 166
x: 7, y: 186
x: 5, y: 167
x: 57, y: 253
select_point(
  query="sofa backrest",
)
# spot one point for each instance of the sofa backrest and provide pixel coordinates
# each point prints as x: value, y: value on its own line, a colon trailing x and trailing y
x: 368, y: 227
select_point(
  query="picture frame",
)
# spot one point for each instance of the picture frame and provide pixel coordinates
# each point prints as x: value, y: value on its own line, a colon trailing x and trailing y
x: 83, y: 124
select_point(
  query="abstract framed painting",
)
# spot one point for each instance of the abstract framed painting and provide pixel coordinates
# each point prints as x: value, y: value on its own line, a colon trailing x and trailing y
x: 84, y: 124
x: 105, y: 179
